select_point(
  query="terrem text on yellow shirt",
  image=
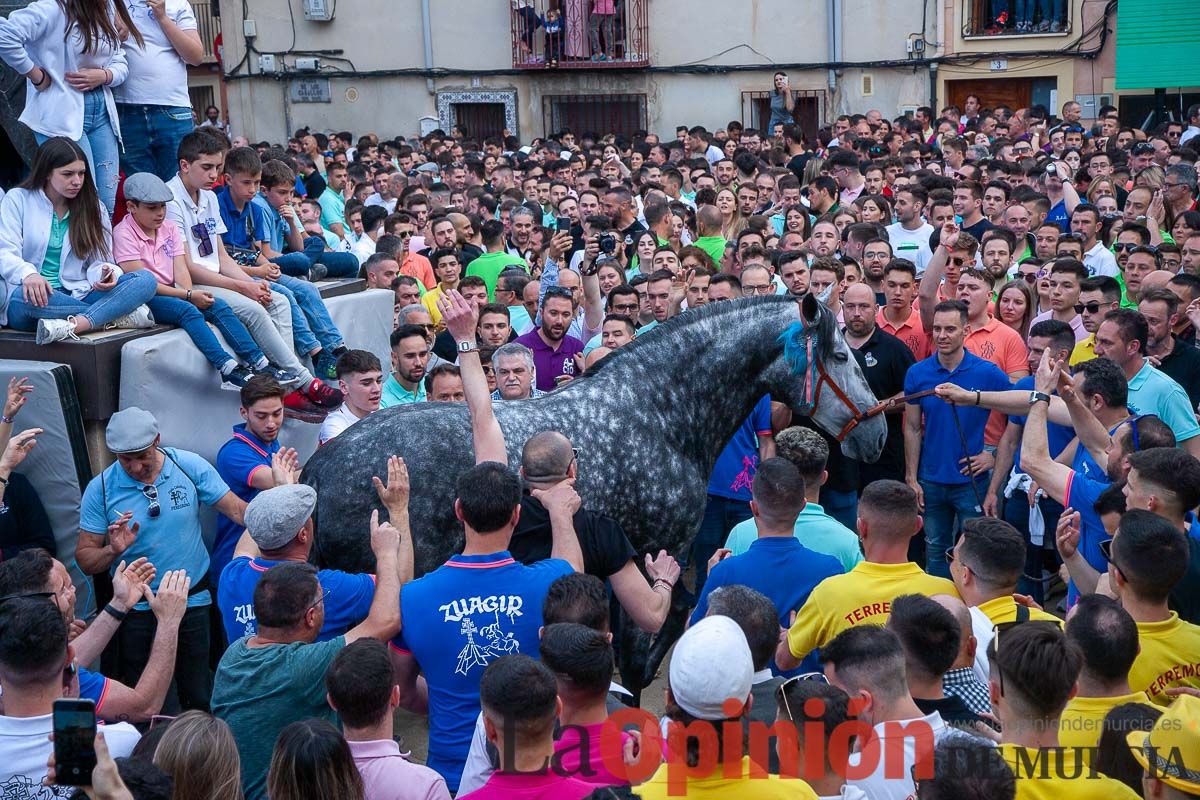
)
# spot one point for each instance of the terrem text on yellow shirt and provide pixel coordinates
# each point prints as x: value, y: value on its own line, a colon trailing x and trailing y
x: 863, y: 596
x: 1169, y: 656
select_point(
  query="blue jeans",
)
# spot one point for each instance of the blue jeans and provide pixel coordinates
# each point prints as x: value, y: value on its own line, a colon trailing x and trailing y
x: 1025, y: 10
x: 312, y: 327
x: 1053, y: 10
x: 720, y: 515
x: 946, y: 506
x: 1037, y: 556
x: 99, y: 143
x: 297, y: 264
x: 151, y: 135
x: 842, y: 506
x: 99, y: 308
x: 175, y: 311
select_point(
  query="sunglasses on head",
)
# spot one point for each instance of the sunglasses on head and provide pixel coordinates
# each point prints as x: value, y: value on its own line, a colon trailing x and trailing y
x: 818, y: 677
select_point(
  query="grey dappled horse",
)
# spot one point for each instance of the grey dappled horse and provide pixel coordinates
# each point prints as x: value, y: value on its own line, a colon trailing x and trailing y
x: 648, y: 421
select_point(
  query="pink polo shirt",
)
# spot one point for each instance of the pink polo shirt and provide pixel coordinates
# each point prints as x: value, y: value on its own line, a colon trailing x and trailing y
x: 387, y: 775
x: 156, y: 253
x: 520, y: 786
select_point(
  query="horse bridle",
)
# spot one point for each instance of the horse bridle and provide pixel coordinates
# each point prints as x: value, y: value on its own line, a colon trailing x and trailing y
x: 817, y: 377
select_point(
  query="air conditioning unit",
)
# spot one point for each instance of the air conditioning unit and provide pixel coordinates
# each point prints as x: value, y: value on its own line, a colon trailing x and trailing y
x: 318, y: 10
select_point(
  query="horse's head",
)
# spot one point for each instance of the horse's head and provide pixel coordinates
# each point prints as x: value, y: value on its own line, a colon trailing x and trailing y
x: 823, y: 380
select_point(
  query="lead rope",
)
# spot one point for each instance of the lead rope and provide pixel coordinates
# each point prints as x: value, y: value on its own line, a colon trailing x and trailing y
x: 962, y: 440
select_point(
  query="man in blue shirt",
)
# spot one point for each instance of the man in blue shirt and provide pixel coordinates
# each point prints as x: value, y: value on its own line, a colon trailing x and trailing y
x: 775, y: 564
x: 148, y: 504
x: 313, y: 330
x: 279, y: 528
x: 935, y: 433
x: 729, y: 485
x: 288, y: 245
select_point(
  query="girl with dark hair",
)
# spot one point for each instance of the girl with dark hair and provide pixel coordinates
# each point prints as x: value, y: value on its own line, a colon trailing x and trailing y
x: 783, y: 104
x: 71, y: 55
x: 312, y: 762
x: 56, y: 254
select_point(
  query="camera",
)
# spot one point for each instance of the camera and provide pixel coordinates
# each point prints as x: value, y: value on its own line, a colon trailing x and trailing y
x: 608, y: 243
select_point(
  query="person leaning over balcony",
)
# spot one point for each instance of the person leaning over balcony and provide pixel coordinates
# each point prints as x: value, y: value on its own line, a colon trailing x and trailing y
x: 153, y: 103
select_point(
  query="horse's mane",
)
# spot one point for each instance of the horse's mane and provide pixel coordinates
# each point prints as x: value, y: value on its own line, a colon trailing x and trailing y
x: 693, y: 316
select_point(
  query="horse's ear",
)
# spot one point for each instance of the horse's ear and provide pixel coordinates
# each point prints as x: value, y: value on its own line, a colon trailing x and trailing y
x: 810, y: 308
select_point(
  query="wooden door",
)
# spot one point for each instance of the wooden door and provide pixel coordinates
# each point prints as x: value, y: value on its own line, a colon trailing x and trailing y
x: 1012, y: 92
x: 480, y: 120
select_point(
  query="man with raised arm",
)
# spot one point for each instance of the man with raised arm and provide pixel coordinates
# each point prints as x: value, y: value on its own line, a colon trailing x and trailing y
x: 548, y: 461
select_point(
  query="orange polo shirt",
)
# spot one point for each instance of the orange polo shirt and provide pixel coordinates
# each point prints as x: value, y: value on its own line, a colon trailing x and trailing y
x: 911, y: 332
x: 418, y: 266
x: 1001, y: 345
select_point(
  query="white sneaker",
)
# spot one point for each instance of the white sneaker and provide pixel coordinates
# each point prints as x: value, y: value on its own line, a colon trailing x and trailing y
x: 140, y: 317
x: 55, y: 330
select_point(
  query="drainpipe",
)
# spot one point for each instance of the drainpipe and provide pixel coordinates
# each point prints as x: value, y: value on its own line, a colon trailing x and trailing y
x: 427, y: 38
x: 831, y: 25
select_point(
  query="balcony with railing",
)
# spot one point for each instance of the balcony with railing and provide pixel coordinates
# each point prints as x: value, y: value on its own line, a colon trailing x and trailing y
x: 988, y: 18
x: 208, y: 25
x: 579, y: 34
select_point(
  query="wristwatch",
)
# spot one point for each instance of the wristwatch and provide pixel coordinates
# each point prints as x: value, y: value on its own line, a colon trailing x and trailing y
x: 466, y: 347
x: 1035, y: 397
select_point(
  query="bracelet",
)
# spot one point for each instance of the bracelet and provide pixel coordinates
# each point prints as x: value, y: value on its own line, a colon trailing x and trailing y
x: 3, y: 481
x: 45, y: 77
x: 670, y: 586
x: 977, y: 398
x: 119, y: 616
x: 188, y: 296
x: 5, y: 419
x: 109, y: 77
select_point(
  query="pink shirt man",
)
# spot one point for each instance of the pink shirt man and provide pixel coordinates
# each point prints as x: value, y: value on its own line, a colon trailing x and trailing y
x: 387, y: 775
x: 157, y: 253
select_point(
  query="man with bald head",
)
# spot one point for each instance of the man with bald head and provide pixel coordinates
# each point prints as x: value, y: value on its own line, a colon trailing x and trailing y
x: 884, y: 360
x: 960, y: 680
x: 549, y: 468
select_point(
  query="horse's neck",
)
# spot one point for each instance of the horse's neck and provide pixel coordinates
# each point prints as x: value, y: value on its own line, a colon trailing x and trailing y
x: 707, y: 378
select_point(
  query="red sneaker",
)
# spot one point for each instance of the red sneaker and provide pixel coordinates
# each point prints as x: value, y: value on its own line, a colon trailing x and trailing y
x: 297, y: 406
x: 323, y: 394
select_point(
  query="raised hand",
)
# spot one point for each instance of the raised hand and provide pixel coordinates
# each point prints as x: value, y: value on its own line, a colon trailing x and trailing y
x: 460, y: 317
x: 1066, y: 533
x: 15, y: 400
x: 385, y: 539
x: 562, y: 498
x: 663, y: 567
x: 396, y: 492
x: 285, y: 466
x: 954, y: 394
x: 129, y: 582
x: 950, y: 232
x: 17, y: 448
x: 170, y: 602
x: 121, y: 534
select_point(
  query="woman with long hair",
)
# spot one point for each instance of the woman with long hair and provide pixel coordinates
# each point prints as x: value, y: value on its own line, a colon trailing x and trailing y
x: 1016, y: 306
x: 796, y: 220
x: 312, y: 762
x: 732, y: 221
x: 1101, y: 187
x: 874, y: 208
x: 1185, y: 225
x: 56, y: 253
x: 71, y: 56
x: 783, y: 104
x: 199, y: 753
x: 644, y: 245
x: 610, y: 276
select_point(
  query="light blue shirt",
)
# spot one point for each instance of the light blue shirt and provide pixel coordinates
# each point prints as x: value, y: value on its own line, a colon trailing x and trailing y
x: 1153, y: 392
x: 395, y: 395
x: 172, y: 540
x: 814, y: 529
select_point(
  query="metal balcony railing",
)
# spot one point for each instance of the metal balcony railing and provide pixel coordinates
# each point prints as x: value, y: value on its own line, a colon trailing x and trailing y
x: 579, y: 34
x: 208, y: 25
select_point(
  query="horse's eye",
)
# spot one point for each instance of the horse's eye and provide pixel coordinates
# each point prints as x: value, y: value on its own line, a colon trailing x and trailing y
x: 840, y: 356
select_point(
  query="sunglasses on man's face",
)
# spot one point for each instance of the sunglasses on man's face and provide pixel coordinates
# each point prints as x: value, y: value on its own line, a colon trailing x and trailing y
x: 1091, y: 308
x: 1125, y: 247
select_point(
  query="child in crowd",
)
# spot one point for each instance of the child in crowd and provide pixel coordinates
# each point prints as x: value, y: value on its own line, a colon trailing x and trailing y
x: 146, y: 239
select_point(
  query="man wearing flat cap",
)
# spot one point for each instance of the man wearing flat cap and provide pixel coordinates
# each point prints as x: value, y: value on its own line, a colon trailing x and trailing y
x: 279, y: 529
x: 148, y: 504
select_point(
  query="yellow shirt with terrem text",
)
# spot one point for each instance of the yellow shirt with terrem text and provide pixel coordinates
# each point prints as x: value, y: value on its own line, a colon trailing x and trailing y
x: 1169, y: 656
x: 863, y: 596
x: 1082, y: 721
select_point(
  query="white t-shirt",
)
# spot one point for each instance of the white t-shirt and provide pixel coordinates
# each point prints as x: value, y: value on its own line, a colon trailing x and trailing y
x: 157, y: 75
x: 187, y: 215
x: 887, y: 782
x: 25, y: 748
x: 376, y: 199
x: 913, y: 245
x: 364, y: 248
x: 335, y: 422
x: 1100, y: 261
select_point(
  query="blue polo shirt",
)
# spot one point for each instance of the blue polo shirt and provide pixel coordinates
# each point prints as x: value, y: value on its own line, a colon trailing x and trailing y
x: 457, y: 620
x: 242, y: 225
x: 93, y: 686
x: 1082, y: 493
x: 237, y: 461
x: 734, y: 471
x: 1058, y: 436
x: 779, y: 567
x: 276, y: 226
x: 172, y: 540
x: 942, y: 450
x: 347, y: 603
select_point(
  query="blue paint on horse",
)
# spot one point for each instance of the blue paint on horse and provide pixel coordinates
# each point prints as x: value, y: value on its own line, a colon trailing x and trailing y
x: 648, y: 421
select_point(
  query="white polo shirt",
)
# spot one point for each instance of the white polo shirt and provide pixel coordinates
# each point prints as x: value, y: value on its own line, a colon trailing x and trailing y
x: 157, y: 75
x: 187, y: 215
x: 1100, y: 261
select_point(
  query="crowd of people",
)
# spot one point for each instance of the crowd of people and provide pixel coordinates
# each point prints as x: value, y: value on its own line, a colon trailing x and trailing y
x: 1005, y: 604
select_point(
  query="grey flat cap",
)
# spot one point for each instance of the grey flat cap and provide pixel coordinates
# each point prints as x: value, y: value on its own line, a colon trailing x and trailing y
x: 275, y: 516
x: 146, y: 187
x: 131, y: 430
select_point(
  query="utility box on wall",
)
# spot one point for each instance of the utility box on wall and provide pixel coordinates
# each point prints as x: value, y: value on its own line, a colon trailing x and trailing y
x: 319, y: 10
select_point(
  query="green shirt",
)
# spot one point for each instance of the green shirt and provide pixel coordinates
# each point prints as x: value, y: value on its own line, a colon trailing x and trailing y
x: 1125, y: 301
x: 396, y: 395
x: 489, y: 266
x: 52, y: 263
x: 714, y: 246
x: 259, y: 690
x: 814, y: 529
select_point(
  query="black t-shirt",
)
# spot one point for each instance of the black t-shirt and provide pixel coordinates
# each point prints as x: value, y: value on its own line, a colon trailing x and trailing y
x: 977, y: 230
x: 631, y: 234
x: 470, y: 252
x: 606, y: 548
x: 951, y: 708
x: 884, y: 360
x: 843, y: 471
x: 1185, y: 597
x: 23, y: 521
x: 1183, y: 367
x: 314, y: 185
x: 797, y: 163
x: 445, y: 347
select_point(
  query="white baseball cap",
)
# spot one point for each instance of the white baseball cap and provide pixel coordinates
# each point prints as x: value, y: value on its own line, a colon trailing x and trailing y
x: 711, y: 664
